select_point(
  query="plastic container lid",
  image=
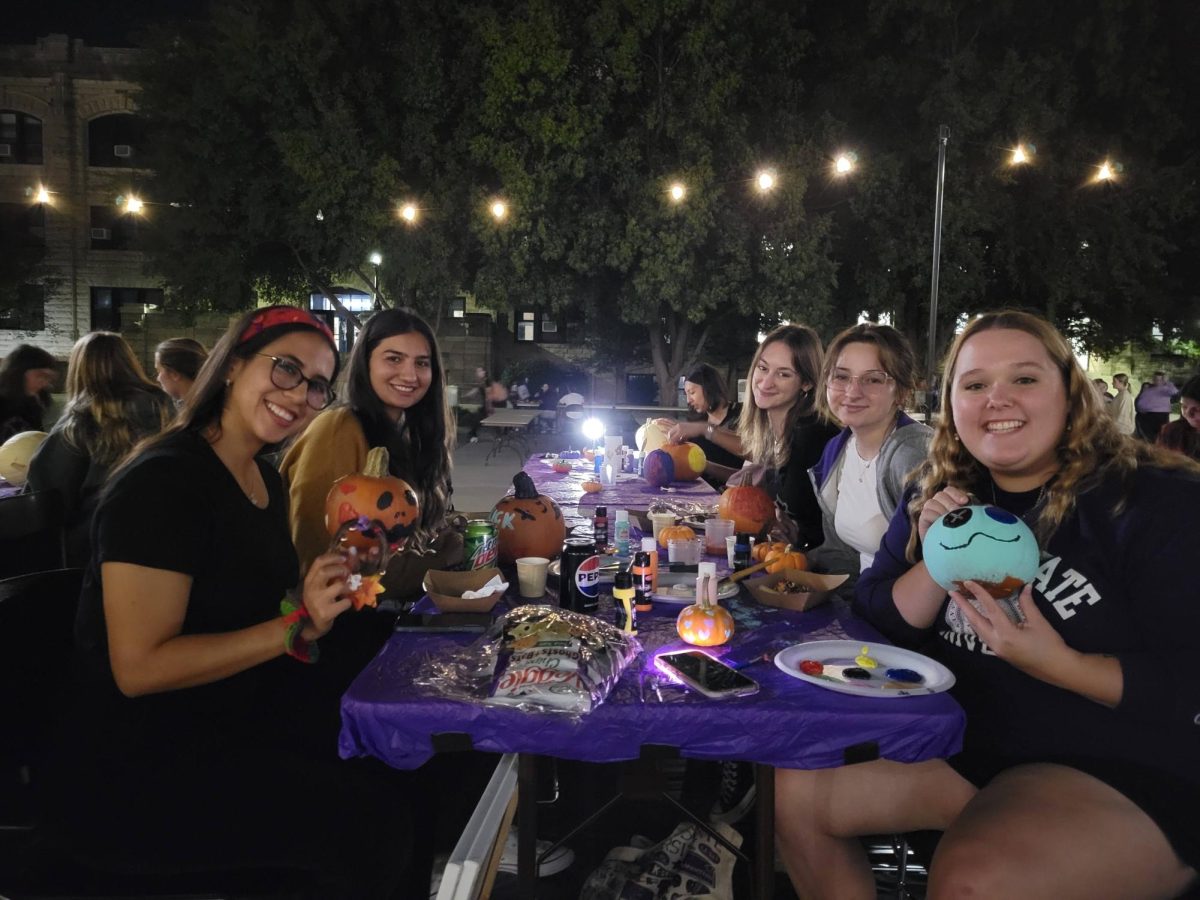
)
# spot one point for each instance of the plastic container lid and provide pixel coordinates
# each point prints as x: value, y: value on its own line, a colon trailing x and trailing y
x: 649, y: 545
x: 622, y: 515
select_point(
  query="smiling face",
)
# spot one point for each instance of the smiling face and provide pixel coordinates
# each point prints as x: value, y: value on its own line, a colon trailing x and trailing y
x: 1190, y: 410
x: 859, y: 409
x: 401, y: 369
x: 256, y: 405
x: 775, y: 382
x: 1009, y: 405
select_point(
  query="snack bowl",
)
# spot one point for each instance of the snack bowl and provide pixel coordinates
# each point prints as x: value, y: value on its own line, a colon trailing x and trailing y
x: 446, y: 590
x: 819, y: 589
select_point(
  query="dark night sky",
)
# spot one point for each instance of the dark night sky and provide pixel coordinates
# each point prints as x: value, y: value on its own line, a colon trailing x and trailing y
x: 101, y: 23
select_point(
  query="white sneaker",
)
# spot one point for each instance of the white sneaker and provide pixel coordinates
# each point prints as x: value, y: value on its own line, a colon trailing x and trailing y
x: 474, y: 440
x: 560, y: 859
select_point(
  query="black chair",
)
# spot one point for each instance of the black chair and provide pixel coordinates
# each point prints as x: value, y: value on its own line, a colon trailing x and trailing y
x: 33, y: 534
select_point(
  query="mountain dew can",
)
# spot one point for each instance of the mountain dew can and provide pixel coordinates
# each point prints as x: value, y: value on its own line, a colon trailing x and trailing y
x: 479, y: 546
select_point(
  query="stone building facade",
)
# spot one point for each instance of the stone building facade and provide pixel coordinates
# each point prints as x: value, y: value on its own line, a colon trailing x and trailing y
x: 69, y: 149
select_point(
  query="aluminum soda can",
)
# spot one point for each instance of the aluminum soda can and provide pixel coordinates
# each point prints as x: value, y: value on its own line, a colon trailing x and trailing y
x: 579, y: 583
x: 479, y: 545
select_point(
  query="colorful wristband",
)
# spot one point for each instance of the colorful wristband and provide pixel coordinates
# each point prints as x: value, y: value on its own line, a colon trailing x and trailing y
x: 294, y: 616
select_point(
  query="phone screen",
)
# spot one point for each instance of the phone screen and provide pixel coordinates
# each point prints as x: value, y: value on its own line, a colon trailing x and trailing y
x: 706, y: 672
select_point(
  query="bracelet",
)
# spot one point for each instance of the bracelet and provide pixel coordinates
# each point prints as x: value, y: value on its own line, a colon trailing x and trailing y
x: 295, y: 614
x: 708, y: 432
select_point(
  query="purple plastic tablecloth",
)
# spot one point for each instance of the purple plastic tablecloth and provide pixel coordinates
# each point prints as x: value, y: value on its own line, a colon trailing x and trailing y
x: 788, y: 723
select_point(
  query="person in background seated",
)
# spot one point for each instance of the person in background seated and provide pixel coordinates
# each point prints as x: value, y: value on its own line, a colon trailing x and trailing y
x: 26, y: 377
x: 783, y: 433
x: 716, y: 432
x: 189, y: 743
x: 111, y: 405
x: 1183, y: 435
x: 870, y: 372
x: 177, y: 362
x: 1078, y: 771
x: 1121, y: 407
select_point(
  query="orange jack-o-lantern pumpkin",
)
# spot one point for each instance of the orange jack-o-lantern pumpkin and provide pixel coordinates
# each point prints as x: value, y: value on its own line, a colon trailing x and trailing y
x: 751, y: 508
x: 373, y: 495
x: 527, y: 523
x: 705, y: 623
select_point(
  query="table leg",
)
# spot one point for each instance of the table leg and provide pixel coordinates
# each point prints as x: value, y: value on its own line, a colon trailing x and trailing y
x: 764, y: 850
x: 527, y: 879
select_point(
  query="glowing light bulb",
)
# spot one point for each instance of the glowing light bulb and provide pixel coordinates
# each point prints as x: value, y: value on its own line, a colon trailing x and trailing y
x: 408, y: 212
x: 134, y: 205
x: 766, y: 181
x: 844, y: 163
x: 499, y: 209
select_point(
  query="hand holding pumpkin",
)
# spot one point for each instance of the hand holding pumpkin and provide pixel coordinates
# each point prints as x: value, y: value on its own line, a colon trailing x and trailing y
x: 324, y: 585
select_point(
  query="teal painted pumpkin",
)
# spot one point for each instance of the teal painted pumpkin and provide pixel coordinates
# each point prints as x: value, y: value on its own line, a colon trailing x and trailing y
x: 658, y: 468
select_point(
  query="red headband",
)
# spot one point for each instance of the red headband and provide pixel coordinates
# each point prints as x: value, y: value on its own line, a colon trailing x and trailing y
x: 271, y: 316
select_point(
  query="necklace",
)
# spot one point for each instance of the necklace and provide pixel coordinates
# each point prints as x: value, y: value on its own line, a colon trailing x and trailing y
x: 250, y: 492
x: 865, y: 469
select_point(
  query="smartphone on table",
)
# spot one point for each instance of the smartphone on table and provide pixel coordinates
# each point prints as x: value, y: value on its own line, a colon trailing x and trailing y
x: 707, y: 675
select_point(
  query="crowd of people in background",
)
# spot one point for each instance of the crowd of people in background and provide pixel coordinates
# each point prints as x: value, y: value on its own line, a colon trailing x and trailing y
x: 208, y: 566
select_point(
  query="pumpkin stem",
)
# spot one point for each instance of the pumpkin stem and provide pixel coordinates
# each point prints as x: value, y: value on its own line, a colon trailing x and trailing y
x: 523, y: 487
x: 377, y: 463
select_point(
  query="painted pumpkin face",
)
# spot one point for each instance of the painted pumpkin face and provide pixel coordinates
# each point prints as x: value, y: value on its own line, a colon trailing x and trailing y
x: 986, y: 544
x: 527, y: 523
x: 373, y: 495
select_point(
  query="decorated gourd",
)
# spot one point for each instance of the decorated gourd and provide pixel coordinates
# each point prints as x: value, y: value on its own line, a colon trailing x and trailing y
x: 674, y: 533
x: 373, y: 495
x: 751, y: 508
x: 650, y: 437
x: 705, y: 623
x: 561, y: 466
x: 986, y: 544
x: 527, y: 523
x: 658, y: 468
x: 689, y: 460
x: 16, y: 453
x: 787, y: 558
x: 762, y: 548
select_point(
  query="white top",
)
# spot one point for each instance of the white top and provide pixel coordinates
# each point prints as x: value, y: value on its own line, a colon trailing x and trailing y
x: 857, y: 518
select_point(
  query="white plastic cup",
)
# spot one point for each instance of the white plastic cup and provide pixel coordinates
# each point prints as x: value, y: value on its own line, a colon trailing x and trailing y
x: 531, y: 576
x: 730, y: 541
x: 660, y: 520
x: 715, y: 532
x: 683, y: 550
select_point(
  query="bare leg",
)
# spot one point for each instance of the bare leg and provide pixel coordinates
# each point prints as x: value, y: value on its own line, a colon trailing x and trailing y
x: 820, y: 814
x: 1051, y: 831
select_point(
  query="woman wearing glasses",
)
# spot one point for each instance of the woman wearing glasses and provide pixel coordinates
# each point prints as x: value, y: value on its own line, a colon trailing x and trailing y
x: 783, y: 432
x: 181, y: 752
x: 869, y: 372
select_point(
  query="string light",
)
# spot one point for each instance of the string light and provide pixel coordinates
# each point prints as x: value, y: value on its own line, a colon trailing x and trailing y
x: 845, y: 163
x: 765, y: 180
x: 1022, y: 154
x: 408, y: 212
x: 677, y: 192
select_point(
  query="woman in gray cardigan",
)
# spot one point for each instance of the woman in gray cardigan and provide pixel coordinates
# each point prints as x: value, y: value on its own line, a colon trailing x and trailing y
x: 869, y: 373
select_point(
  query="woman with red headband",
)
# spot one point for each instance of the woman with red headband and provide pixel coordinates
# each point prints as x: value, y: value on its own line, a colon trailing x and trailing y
x: 188, y: 747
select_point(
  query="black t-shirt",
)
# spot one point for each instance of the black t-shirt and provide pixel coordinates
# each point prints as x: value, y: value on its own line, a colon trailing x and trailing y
x: 178, y: 508
x: 795, y: 495
x: 717, y: 454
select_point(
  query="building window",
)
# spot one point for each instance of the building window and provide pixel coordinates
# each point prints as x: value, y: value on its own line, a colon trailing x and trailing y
x: 354, y: 300
x: 23, y: 309
x: 114, y: 141
x: 20, y: 138
x: 112, y: 229
x: 549, y: 325
x: 526, y: 326
x: 458, y: 307
x: 107, y: 303
x: 22, y: 225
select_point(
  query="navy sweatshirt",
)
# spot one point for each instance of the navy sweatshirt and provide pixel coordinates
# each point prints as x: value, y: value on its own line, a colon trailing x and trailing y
x: 1120, y: 583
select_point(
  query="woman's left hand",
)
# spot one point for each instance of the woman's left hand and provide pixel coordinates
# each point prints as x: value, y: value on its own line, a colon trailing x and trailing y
x: 1033, y: 646
x: 684, y: 431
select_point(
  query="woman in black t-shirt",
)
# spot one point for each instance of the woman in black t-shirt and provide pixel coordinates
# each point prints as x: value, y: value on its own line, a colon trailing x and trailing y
x: 716, y: 432
x: 188, y: 748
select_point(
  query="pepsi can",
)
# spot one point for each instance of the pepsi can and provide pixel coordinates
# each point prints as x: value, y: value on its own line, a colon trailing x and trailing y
x: 579, y: 588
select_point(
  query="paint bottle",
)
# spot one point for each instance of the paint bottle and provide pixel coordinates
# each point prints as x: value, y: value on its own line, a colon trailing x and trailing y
x: 649, y: 545
x: 621, y: 532
x: 624, y: 600
x: 600, y: 529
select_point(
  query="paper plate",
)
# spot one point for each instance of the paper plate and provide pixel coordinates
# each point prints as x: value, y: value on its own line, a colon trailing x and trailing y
x: 687, y: 599
x: 936, y: 677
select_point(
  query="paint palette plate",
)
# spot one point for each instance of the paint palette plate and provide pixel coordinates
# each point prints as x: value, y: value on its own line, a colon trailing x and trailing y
x: 686, y: 596
x: 839, y: 655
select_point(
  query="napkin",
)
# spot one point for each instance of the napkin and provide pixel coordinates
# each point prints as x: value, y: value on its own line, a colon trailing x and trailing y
x: 496, y: 584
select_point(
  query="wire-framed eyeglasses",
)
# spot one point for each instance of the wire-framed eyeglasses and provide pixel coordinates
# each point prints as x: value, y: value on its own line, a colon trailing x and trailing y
x: 872, y: 382
x: 285, y: 375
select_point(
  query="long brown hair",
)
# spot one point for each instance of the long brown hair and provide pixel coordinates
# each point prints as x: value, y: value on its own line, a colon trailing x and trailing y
x: 108, y: 393
x: 1090, y: 450
x: 754, y: 427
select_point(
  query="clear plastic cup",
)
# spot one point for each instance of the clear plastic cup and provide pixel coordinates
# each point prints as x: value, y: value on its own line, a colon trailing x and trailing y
x: 660, y: 520
x: 683, y: 550
x: 715, y: 532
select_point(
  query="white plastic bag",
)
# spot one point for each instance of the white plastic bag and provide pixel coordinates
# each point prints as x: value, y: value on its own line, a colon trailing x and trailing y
x: 689, y: 863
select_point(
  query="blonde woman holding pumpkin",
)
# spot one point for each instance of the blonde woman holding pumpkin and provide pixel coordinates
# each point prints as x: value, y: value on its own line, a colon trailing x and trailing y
x: 1077, y: 775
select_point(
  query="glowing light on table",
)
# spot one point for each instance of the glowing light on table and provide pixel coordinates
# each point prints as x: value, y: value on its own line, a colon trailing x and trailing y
x: 593, y: 429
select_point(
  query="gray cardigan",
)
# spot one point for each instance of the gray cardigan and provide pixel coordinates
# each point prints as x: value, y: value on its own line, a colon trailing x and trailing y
x: 903, y: 450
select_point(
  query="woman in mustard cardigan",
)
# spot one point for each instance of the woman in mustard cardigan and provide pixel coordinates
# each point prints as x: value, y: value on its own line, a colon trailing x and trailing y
x: 396, y: 399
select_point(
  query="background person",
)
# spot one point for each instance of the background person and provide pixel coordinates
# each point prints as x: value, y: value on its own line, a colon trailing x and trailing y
x: 1183, y: 435
x: 1102, y: 390
x: 870, y: 372
x: 177, y: 362
x: 111, y: 405
x: 716, y: 432
x: 1121, y: 408
x: 26, y: 377
x: 782, y: 432
x: 1077, y: 776
x: 1153, y: 406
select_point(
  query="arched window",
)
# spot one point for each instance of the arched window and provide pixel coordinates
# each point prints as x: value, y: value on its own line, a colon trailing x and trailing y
x: 114, y: 141
x: 20, y: 138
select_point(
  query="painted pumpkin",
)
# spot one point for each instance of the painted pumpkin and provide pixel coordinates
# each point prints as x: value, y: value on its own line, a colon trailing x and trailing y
x: 787, y: 558
x: 592, y: 487
x: 16, y: 453
x: 751, y: 508
x: 705, y: 624
x: 561, y: 467
x: 658, y: 468
x: 650, y: 437
x: 527, y: 523
x: 762, y: 549
x: 373, y: 495
x: 674, y: 533
x: 689, y: 460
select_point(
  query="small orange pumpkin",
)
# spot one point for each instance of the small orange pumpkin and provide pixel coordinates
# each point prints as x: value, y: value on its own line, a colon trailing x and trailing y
x: 705, y: 623
x: 750, y: 507
x: 674, y: 533
x: 761, y: 550
x: 592, y: 486
x: 787, y: 558
x: 373, y: 494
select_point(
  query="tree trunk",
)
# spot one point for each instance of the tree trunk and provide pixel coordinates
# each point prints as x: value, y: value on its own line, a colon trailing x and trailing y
x: 327, y: 291
x: 669, y: 353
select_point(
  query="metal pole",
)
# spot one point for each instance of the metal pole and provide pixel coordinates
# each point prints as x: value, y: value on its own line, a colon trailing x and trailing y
x: 930, y: 359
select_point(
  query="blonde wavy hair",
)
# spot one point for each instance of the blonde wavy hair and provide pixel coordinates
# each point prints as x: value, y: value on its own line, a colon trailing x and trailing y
x: 754, y: 427
x: 1090, y: 450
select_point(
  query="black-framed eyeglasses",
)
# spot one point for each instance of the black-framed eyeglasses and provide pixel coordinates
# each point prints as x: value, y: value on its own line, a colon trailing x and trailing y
x: 285, y: 375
